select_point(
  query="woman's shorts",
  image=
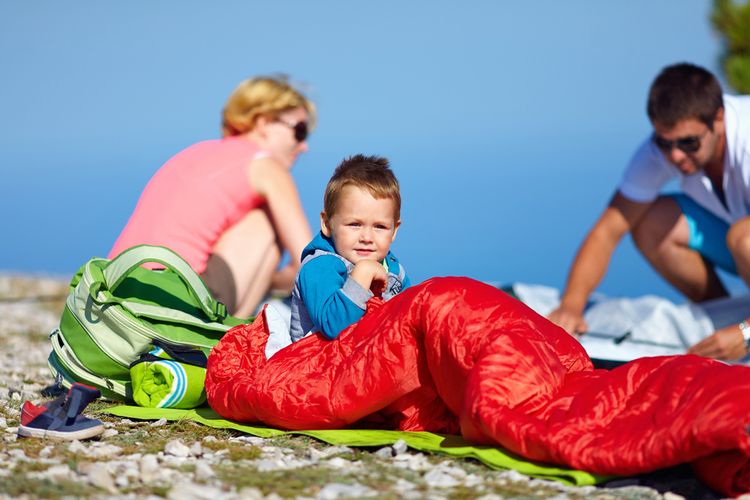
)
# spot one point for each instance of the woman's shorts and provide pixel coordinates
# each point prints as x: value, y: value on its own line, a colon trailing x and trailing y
x: 220, y: 282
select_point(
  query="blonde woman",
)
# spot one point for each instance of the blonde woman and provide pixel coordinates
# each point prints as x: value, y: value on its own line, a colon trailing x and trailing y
x: 229, y: 206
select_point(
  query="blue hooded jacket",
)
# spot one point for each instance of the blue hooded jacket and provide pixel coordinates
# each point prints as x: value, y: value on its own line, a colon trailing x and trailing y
x: 326, y: 298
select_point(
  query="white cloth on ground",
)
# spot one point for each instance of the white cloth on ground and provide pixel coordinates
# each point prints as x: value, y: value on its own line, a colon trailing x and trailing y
x: 622, y: 329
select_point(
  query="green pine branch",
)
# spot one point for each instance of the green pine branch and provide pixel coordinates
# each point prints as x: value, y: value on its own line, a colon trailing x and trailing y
x: 731, y: 18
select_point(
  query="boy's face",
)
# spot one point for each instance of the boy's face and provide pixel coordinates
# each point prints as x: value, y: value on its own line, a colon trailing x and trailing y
x: 363, y: 227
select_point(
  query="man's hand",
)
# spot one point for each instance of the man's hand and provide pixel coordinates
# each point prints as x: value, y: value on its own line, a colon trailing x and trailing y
x: 569, y: 320
x: 371, y: 275
x: 727, y: 343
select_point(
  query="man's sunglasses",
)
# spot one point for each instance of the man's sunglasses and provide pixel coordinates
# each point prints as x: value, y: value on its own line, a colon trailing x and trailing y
x: 689, y: 144
x: 299, y: 128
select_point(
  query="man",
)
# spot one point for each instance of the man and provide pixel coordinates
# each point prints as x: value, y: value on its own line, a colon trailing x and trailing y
x: 702, y: 137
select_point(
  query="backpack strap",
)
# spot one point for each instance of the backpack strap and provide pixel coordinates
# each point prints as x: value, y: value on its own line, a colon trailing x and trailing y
x: 169, y: 315
x: 319, y: 253
x: 121, y: 266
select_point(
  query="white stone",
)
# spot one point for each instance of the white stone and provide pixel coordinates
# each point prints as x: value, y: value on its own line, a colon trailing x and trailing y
x: 159, y: 423
x: 453, y: 470
x: 169, y: 476
x: 122, y: 481
x: 172, y: 461
x: 402, y: 485
x: 108, y: 433
x: 416, y: 462
x: 516, y: 476
x: 337, y: 490
x: 196, y: 449
x: 192, y: 491
x: 249, y: 493
x: 3, y: 423
x: 473, y: 480
x: 385, y: 452
x: 177, y: 449
x: 129, y: 469
x: 210, y: 439
x: 253, y: 440
x: 97, y: 475
x: 440, y: 479
x: 149, y: 468
x: 339, y: 463
x: 46, y: 451
x: 103, y: 450
x: 329, y: 451
x: 17, y: 454
x: 58, y: 472
x: 203, y: 471
x: 76, y: 447
x: 399, y: 446
x: 268, y: 465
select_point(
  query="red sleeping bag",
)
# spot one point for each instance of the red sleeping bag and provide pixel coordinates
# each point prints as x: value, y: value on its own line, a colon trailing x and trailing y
x: 455, y: 355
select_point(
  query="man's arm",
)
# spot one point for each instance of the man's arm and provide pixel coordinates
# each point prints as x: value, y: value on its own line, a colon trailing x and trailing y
x: 592, y: 260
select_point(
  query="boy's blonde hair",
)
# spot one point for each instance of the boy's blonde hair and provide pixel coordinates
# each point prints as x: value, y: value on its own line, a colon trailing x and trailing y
x: 372, y: 173
x: 262, y: 96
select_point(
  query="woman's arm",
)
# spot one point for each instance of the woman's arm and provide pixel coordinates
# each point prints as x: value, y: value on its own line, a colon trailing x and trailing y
x: 275, y: 183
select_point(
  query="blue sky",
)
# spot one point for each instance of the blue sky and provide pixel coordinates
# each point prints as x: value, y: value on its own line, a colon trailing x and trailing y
x: 507, y: 123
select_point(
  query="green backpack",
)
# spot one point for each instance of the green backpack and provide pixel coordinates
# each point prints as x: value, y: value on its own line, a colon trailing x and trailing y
x: 119, y: 315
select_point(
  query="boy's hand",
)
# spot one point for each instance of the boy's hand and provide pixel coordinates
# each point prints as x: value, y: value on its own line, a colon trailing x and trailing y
x: 371, y: 275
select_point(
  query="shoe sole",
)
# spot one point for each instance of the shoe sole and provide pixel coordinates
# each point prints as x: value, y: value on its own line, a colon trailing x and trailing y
x: 90, y: 432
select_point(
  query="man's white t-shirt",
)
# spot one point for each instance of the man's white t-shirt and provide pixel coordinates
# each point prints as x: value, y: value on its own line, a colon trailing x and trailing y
x: 649, y: 170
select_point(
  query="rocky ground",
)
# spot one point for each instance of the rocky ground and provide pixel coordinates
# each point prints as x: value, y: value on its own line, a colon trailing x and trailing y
x: 185, y: 460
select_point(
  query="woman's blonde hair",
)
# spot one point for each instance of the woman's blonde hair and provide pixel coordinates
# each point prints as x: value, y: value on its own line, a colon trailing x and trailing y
x: 262, y: 96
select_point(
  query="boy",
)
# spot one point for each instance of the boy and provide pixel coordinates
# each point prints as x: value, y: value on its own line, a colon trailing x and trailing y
x: 349, y: 261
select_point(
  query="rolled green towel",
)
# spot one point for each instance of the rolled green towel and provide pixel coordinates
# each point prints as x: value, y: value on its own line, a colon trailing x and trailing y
x: 161, y: 382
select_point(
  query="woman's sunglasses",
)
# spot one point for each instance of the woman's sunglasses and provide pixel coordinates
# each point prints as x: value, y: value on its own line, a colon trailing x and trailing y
x: 689, y: 144
x: 299, y: 128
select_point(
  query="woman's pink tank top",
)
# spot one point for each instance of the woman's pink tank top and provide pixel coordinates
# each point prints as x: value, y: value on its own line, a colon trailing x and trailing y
x: 193, y: 198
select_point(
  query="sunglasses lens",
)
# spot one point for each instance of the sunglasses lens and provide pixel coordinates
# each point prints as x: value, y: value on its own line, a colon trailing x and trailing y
x: 685, y: 144
x: 662, y: 143
x: 300, y: 131
x: 689, y: 144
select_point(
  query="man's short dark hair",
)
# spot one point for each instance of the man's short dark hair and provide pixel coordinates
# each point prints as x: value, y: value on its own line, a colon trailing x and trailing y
x: 684, y: 91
